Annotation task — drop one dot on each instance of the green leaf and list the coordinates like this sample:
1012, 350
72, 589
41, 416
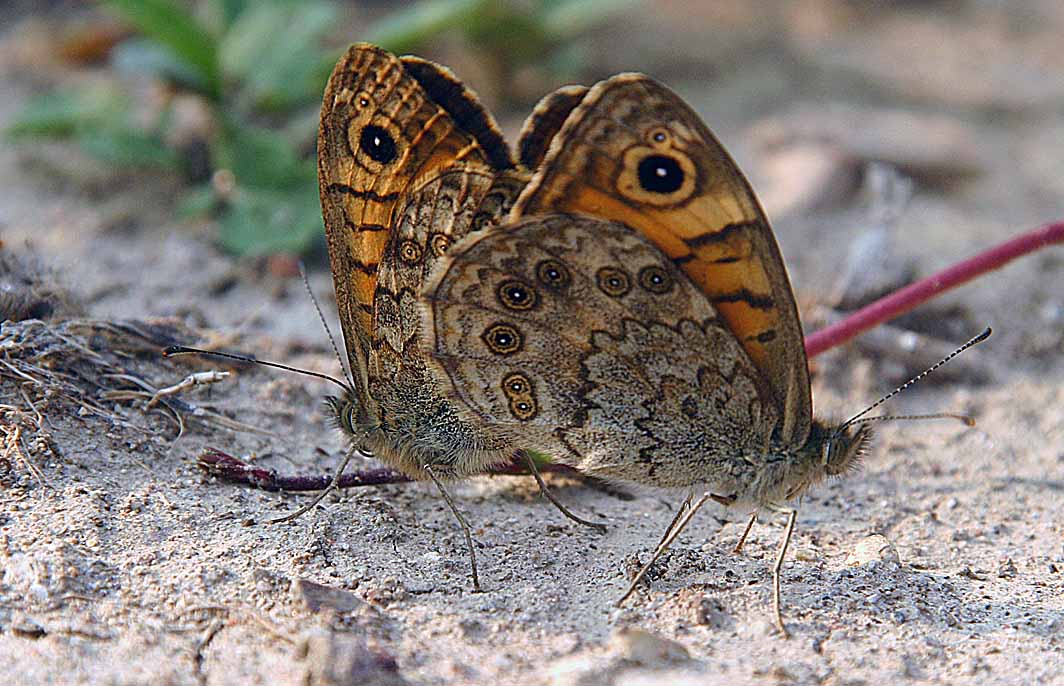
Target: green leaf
259, 157
146, 56
565, 19
224, 12
61, 114
261, 221
177, 29
197, 202
274, 207
540, 459
274, 51
128, 148
409, 28
506, 31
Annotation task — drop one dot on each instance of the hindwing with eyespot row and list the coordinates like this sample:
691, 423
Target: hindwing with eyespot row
580, 339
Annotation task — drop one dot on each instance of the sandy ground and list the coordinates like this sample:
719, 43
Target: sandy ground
942, 561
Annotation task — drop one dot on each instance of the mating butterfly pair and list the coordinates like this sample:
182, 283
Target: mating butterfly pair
613, 297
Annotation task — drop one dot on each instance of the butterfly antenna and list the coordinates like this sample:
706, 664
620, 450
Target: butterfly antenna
325, 325
856, 419
185, 350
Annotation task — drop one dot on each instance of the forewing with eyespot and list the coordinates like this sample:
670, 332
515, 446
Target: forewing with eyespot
388, 125
633, 151
578, 338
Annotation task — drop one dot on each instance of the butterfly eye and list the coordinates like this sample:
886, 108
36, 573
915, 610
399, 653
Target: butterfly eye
655, 279
516, 295
553, 275
377, 143
350, 417
502, 339
660, 174
613, 282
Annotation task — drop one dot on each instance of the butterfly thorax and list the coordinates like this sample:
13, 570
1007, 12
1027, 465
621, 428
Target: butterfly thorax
785, 474
397, 433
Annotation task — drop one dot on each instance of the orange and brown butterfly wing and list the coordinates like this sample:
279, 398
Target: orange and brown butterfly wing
634, 152
388, 124
544, 123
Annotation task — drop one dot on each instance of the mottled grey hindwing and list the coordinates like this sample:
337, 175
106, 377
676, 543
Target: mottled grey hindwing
580, 339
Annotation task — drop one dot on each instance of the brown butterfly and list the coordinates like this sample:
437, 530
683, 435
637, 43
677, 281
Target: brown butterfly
408, 162
633, 317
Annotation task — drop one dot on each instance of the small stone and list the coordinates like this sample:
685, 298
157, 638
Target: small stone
388, 591
710, 612
317, 597
872, 549
24, 627
639, 645
1007, 569
343, 660
967, 573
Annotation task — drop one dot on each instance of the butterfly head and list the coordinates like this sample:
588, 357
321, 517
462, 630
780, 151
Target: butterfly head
842, 448
830, 451
350, 416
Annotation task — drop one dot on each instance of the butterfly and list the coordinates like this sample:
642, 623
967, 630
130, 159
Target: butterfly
633, 317
408, 162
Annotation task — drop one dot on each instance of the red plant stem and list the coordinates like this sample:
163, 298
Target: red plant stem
225, 466
907, 298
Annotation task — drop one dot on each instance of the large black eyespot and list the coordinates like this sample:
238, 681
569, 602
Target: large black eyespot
410, 252
516, 295
614, 282
502, 339
516, 384
660, 174
553, 274
377, 143
655, 279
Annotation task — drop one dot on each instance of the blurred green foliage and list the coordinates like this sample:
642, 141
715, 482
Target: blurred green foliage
260, 67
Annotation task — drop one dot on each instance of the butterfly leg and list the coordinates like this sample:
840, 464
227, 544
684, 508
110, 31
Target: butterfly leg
792, 517
462, 522
684, 506
321, 494
746, 532
550, 496
675, 529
